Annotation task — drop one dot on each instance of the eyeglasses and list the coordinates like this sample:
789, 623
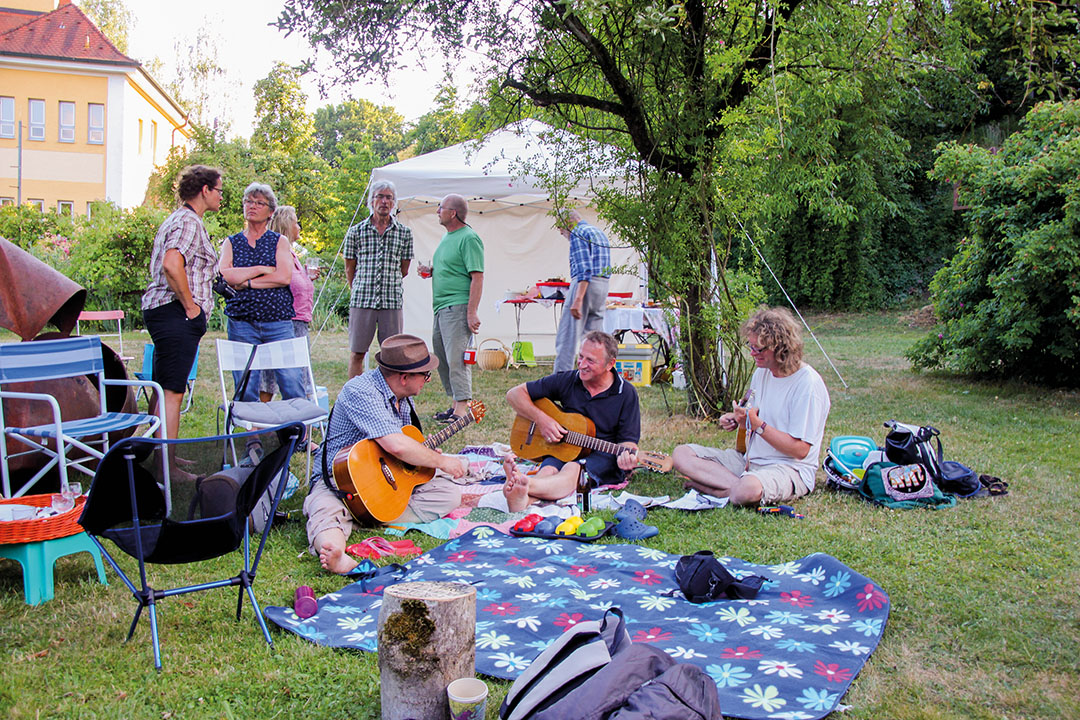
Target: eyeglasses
256, 203
755, 350
381, 196
219, 190
426, 374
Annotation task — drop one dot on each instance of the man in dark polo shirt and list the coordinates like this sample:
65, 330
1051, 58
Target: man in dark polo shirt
593, 390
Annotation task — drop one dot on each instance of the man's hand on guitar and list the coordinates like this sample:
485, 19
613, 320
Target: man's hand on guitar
627, 459
550, 429
729, 422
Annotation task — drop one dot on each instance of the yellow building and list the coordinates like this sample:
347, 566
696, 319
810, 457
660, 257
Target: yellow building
79, 120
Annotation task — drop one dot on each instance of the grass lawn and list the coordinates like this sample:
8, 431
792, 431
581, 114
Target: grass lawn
985, 618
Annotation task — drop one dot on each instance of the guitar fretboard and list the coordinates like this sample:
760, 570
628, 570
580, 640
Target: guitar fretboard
448, 432
590, 443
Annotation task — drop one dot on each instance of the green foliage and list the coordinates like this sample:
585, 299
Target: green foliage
284, 124
1009, 300
358, 123
25, 225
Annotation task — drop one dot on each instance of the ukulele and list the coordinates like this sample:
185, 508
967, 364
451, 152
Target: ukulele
379, 485
740, 436
579, 440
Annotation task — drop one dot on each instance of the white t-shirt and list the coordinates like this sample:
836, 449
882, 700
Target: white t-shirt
798, 404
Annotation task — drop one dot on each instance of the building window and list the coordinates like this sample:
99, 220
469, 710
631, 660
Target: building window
89, 210
67, 122
95, 124
38, 203
7, 117
37, 120
65, 207
6, 201
140, 136
153, 140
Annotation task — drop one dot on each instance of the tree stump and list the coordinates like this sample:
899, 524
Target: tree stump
427, 639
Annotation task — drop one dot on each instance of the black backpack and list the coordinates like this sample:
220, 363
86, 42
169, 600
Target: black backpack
909, 444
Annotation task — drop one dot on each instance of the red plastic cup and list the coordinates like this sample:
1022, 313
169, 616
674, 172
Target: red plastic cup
305, 605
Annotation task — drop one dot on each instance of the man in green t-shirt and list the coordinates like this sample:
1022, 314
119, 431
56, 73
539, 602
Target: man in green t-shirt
457, 275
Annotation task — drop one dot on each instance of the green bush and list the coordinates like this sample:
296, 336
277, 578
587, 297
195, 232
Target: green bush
1009, 299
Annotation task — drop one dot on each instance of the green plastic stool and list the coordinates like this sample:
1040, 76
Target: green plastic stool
38, 558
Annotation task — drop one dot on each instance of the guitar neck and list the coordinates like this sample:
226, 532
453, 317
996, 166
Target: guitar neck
434, 441
590, 443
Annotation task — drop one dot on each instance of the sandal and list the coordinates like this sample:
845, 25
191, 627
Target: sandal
994, 485
373, 548
631, 509
633, 529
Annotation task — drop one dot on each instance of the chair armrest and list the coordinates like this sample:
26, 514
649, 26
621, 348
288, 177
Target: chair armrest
40, 397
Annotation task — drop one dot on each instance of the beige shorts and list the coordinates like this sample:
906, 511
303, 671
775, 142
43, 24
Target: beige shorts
363, 323
429, 501
779, 483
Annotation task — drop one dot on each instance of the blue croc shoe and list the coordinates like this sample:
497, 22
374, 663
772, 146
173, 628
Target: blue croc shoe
631, 509
633, 529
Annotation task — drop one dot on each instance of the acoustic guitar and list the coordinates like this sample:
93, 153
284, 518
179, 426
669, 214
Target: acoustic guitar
740, 436
580, 440
378, 484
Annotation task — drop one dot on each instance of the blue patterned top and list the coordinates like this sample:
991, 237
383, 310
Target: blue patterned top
258, 304
590, 252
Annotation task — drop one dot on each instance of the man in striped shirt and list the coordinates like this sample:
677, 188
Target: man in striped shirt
586, 299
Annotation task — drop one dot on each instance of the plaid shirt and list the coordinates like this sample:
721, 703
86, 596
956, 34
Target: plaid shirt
590, 252
365, 409
377, 283
184, 232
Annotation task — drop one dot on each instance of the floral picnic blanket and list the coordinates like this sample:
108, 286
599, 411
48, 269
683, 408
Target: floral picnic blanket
792, 652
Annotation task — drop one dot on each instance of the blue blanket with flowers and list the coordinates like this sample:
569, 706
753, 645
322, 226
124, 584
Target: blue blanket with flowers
792, 652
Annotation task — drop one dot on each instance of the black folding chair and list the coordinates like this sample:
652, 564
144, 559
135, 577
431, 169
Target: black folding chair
177, 501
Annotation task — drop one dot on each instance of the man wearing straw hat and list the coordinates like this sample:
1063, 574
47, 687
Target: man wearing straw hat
376, 406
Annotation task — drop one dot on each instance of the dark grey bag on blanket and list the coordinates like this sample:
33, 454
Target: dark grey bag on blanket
594, 672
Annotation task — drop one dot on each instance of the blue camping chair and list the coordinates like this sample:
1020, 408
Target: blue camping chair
87, 437
161, 512
147, 373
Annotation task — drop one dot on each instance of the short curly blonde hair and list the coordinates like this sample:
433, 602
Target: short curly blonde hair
777, 330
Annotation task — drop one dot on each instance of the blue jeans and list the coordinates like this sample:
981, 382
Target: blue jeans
290, 381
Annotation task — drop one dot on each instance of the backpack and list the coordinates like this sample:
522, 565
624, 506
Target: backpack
906, 444
702, 579
902, 487
594, 672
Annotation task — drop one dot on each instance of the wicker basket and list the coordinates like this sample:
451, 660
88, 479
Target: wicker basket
493, 358
57, 526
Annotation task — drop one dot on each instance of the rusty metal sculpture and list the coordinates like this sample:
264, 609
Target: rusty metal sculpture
34, 296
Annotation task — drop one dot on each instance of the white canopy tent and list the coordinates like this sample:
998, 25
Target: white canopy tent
508, 206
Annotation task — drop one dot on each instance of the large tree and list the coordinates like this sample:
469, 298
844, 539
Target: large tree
666, 81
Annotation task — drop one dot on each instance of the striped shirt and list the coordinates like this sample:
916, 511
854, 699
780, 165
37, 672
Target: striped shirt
377, 283
590, 253
183, 231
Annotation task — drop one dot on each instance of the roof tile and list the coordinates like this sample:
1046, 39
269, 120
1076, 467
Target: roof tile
65, 33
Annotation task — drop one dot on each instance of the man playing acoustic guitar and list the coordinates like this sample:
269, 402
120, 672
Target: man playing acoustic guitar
376, 406
593, 390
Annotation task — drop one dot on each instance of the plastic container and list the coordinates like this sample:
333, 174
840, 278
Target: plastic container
634, 363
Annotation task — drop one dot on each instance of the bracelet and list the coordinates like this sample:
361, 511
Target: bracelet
761, 428
249, 283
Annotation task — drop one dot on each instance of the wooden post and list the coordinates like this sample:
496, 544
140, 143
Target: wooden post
427, 639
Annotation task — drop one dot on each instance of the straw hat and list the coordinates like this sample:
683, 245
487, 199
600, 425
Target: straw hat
405, 354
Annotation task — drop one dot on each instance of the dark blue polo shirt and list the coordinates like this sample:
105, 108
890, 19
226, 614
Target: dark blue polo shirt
615, 412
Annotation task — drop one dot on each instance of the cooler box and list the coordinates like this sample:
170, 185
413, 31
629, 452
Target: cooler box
323, 397
634, 363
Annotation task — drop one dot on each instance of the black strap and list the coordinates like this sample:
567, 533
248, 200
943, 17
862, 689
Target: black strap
339, 494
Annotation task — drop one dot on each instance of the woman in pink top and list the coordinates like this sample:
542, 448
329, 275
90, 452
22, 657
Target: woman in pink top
284, 221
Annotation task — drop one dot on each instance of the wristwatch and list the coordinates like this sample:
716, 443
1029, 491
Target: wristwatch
761, 428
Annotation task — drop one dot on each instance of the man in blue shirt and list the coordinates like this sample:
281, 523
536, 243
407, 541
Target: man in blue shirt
590, 263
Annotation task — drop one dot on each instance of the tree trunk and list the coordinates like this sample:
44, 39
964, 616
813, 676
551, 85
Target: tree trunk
427, 639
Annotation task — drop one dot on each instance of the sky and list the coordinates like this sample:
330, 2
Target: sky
248, 48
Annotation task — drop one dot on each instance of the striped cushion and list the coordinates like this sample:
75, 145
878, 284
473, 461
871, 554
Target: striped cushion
109, 422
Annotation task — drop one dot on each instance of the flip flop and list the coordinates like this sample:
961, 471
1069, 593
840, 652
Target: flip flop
373, 548
994, 485
631, 509
633, 529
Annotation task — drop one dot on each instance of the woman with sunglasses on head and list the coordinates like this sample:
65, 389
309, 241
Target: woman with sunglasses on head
784, 420
257, 263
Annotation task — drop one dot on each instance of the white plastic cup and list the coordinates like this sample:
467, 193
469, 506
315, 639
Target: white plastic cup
468, 699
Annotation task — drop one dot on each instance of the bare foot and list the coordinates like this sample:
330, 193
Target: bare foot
335, 560
516, 489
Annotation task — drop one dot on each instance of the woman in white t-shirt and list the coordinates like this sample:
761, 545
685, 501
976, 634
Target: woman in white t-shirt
784, 421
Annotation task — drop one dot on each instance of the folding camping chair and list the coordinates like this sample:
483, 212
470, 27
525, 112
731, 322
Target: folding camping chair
244, 358
160, 514
109, 317
53, 360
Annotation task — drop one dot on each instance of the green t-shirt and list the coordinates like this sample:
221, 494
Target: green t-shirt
459, 253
